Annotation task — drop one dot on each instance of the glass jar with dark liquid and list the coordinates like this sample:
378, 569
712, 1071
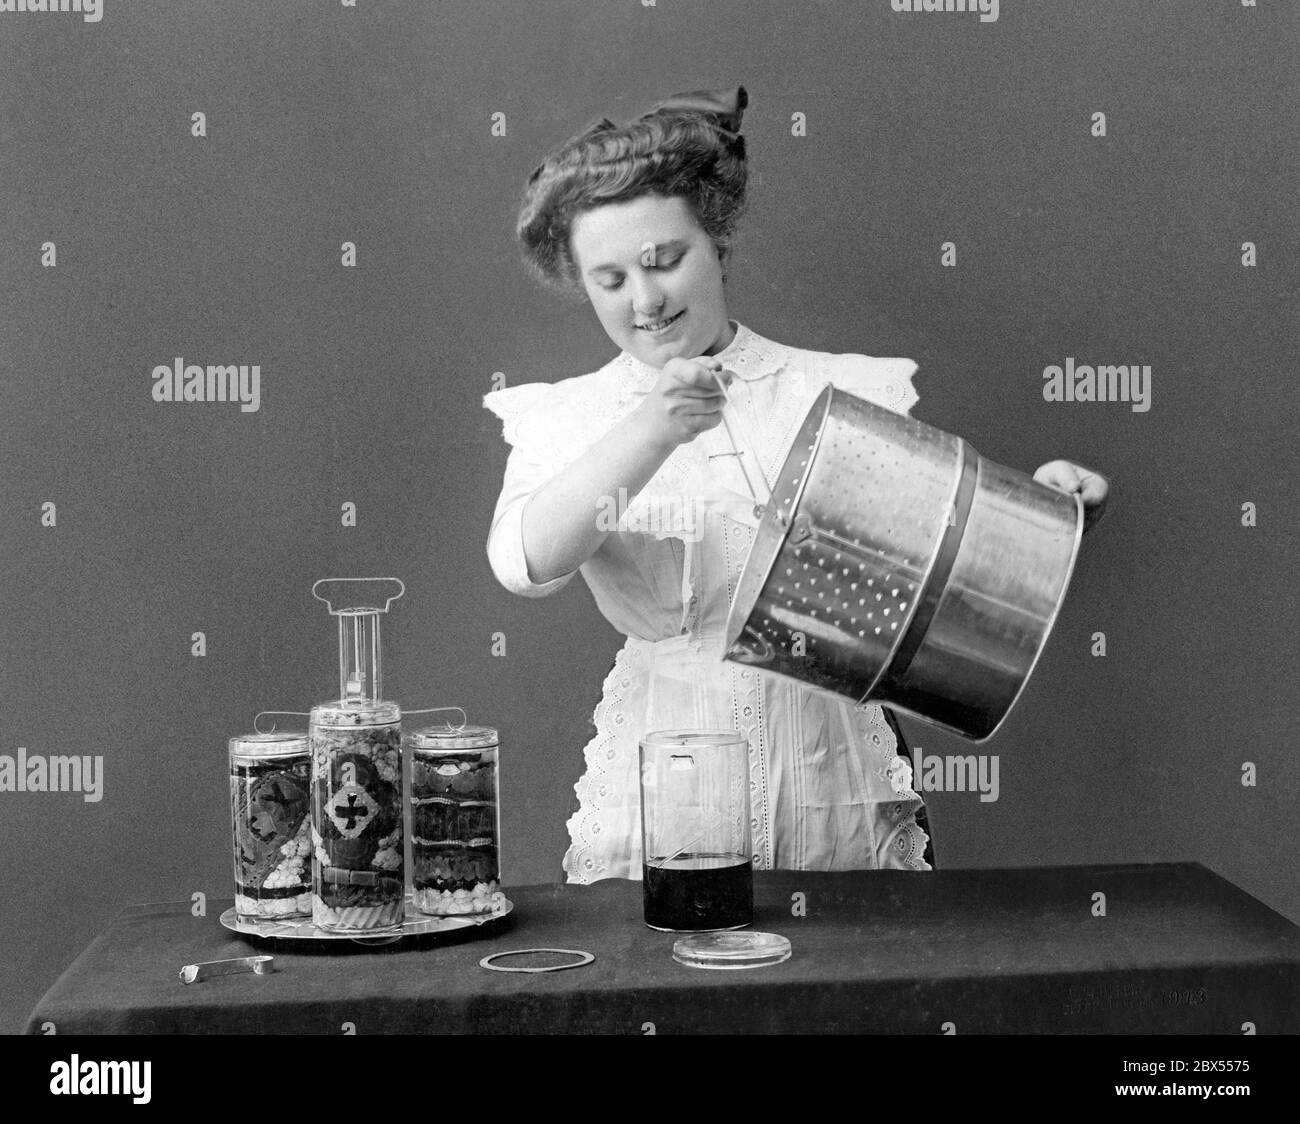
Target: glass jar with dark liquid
697, 868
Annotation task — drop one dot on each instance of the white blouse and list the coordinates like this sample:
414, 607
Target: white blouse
828, 790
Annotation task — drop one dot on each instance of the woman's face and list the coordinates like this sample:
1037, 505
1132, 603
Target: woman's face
654, 278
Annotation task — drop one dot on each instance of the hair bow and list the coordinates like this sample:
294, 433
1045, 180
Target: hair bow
727, 105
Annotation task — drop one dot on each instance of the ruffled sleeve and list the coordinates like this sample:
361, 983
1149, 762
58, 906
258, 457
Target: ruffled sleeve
534, 423
886, 382
514, 404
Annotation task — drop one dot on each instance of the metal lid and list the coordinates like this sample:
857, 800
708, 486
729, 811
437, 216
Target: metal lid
452, 737
355, 712
268, 745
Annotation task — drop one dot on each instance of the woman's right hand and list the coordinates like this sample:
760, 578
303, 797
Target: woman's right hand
684, 401
559, 522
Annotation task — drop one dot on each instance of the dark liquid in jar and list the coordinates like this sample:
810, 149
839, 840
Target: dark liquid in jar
698, 892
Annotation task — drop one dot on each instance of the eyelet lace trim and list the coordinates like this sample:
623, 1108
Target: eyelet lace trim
608, 781
747, 708
902, 843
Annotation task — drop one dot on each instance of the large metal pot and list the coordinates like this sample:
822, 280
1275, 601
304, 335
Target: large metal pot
895, 564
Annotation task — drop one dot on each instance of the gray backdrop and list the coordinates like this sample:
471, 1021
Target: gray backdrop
372, 124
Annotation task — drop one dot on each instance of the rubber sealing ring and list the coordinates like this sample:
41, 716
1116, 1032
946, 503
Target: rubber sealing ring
486, 962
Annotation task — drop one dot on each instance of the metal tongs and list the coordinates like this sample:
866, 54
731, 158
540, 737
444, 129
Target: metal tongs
258, 965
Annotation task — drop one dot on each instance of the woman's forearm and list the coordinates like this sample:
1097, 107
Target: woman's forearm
560, 526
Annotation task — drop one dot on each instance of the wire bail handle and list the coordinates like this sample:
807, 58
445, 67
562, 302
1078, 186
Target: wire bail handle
733, 427
464, 718
273, 730
360, 657
354, 609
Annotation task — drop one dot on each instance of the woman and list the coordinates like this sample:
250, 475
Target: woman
625, 475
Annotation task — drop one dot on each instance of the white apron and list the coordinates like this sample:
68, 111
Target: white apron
828, 790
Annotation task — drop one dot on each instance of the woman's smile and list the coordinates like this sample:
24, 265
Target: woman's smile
660, 327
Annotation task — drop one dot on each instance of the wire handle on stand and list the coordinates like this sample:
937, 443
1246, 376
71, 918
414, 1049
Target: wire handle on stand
464, 718
352, 610
272, 730
733, 427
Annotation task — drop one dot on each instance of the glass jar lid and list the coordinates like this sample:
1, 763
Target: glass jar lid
731, 950
268, 745
355, 712
452, 737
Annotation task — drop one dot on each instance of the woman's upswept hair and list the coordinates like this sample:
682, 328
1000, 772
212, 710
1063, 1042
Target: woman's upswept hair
669, 153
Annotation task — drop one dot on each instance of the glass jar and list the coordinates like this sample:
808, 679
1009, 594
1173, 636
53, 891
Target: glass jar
357, 869
455, 820
270, 801
697, 864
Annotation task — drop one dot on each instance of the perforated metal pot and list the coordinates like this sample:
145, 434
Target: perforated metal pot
895, 564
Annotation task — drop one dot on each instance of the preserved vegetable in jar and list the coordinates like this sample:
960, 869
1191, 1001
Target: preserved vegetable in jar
270, 791
358, 868
358, 873
455, 821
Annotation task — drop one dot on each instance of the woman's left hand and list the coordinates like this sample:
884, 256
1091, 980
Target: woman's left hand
1065, 476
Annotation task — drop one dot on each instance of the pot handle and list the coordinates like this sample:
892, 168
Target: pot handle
751, 647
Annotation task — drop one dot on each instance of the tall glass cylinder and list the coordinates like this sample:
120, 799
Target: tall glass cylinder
358, 871
455, 821
270, 797
695, 830
360, 656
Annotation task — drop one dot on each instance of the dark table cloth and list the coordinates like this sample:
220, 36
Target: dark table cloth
1179, 950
